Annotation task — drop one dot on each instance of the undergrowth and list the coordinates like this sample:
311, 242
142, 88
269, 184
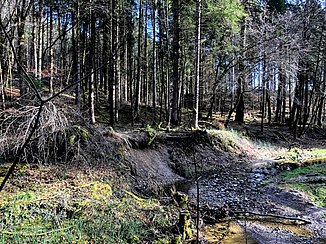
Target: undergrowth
78, 209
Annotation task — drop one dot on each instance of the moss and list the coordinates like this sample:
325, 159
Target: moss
184, 224
100, 191
4, 169
81, 131
72, 139
318, 152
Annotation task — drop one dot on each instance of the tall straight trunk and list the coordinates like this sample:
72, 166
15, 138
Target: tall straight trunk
51, 49
279, 98
268, 98
139, 60
239, 106
124, 85
40, 39
145, 94
21, 54
130, 59
117, 59
76, 56
160, 6
167, 63
154, 56
297, 103
34, 38
106, 54
264, 80
322, 99
111, 73
175, 61
197, 63
91, 98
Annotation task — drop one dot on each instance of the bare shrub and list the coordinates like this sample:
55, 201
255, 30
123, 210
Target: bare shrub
16, 123
56, 138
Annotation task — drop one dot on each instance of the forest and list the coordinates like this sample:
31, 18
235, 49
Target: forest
162, 121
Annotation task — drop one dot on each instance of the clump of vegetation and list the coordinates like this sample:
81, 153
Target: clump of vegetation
232, 141
316, 190
152, 132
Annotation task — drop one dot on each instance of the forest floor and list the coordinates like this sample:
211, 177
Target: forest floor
253, 187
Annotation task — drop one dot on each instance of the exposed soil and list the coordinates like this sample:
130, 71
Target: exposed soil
235, 184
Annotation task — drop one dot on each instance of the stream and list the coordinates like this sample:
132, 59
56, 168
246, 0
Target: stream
255, 210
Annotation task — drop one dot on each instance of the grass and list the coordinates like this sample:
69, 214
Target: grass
80, 209
316, 191
316, 170
317, 152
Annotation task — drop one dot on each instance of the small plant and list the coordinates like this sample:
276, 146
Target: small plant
152, 132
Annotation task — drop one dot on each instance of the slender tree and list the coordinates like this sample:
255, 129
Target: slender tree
197, 62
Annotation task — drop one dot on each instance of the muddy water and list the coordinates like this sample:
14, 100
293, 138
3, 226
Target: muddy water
251, 232
227, 233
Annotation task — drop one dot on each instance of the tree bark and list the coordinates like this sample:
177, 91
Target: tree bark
175, 61
154, 57
197, 62
139, 60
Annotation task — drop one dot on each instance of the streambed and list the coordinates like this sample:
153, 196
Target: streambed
255, 193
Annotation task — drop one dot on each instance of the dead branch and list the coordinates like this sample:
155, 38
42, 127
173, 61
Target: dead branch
273, 217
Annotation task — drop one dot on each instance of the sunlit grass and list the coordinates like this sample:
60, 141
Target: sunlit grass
316, 170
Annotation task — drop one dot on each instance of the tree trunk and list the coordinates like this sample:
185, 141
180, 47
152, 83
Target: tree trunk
130, 60
76, 56
21, 54
51, 49
139, 60
154, 57
175, 61
117, 59
239, 114
91, 101
197, 63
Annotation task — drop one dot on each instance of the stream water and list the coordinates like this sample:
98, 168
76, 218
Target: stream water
245, 190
